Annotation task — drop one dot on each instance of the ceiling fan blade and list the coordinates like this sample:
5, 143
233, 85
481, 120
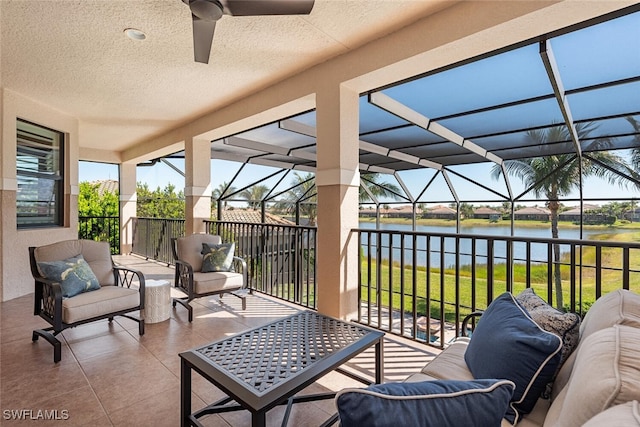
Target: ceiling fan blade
267, 7
202, 39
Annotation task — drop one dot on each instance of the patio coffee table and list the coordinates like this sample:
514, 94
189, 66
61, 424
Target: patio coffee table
266, 366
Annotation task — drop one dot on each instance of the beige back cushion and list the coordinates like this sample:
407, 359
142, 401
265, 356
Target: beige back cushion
606, 373
189, 248
96, 254
619, 307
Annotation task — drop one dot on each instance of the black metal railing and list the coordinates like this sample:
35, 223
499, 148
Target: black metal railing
101, 228
419, 285
152, 237
281, 258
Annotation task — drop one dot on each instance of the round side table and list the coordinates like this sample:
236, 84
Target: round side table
157, 301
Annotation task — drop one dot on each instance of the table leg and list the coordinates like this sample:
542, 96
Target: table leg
185, 394
259, 419
379, 361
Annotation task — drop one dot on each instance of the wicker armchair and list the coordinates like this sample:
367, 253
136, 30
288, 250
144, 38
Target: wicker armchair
114, 296
187, 252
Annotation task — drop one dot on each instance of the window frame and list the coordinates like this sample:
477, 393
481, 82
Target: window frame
54, 209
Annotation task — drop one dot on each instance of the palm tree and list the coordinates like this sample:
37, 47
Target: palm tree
378, 189
304, 190
219, 192
466, 210
254, 195
635, 153
557, 175
303, 195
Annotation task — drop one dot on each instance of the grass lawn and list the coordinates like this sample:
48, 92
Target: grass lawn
471, 291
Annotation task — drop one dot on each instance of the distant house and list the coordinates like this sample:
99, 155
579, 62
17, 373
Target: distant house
574, 214
532, 213
440, 212
367, 213
485, 212
251, 216
632, 215
405, 211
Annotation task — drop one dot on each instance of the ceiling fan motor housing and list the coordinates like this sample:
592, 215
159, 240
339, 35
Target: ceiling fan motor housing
207, 10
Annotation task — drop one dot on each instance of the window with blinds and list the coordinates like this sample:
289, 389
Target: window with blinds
40, 162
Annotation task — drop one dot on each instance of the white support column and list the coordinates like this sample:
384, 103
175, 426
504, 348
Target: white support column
128, 205
197, 190
337, 181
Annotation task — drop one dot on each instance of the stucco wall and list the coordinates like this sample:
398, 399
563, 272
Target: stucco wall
15, 275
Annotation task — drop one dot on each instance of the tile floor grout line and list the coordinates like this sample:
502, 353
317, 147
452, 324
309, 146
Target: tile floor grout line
84, 374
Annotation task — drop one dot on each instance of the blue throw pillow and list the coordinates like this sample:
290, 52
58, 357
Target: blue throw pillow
217, 257
507, 343
73, 274
443, 403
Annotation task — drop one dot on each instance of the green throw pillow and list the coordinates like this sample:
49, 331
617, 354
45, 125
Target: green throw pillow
217, 257
73, 274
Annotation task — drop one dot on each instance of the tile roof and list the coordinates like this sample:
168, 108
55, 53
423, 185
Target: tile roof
532, 210
485, 210
251, 216
576, 209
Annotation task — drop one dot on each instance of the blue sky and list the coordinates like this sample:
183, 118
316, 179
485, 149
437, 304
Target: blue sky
160, 175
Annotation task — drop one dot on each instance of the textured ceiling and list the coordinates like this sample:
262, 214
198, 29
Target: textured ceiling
73, 56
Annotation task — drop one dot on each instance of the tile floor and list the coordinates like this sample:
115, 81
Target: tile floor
111, 376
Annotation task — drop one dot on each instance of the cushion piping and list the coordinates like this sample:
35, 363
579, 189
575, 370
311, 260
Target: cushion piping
616, 369
512, 404
427, 396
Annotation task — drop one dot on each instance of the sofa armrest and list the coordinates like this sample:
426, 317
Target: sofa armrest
240, 266
48, 301
464, 329
184, 277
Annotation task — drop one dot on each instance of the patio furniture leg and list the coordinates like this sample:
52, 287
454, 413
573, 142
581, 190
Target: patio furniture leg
259, 419
379, 361
287, 412
185, 394
242, 294
186, 305
57, 346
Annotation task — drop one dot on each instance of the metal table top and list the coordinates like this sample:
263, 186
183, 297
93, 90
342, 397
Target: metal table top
261, 366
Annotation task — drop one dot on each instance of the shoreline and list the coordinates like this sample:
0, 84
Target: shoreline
502, 223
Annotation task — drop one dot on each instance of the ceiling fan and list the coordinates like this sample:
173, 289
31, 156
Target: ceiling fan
205, 14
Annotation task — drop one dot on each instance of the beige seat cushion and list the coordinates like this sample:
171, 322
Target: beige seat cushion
536, 417
189, 248
108, 299
217, 281
625, 415
448, 365
606, 373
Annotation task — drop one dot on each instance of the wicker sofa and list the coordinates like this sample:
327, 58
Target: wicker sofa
597, 385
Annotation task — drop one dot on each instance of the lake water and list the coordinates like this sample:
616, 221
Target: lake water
539, 252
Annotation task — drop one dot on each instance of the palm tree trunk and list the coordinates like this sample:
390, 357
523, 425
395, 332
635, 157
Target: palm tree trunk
554, 207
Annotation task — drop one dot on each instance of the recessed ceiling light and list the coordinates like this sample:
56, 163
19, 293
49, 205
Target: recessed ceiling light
135, 34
